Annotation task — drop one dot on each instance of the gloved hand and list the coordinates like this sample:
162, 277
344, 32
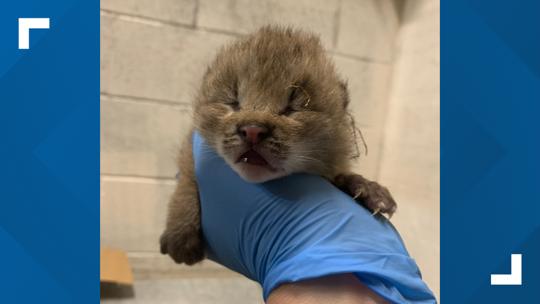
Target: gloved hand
299, 227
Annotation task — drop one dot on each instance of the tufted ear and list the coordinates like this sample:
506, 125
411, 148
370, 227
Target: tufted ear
344, 93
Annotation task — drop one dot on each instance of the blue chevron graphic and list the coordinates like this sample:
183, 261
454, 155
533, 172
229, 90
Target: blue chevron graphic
49, 125
490, 170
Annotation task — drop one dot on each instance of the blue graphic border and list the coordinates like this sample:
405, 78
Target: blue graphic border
49, 125
490, 148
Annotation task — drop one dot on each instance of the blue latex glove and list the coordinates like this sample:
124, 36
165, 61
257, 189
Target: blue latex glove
297, 228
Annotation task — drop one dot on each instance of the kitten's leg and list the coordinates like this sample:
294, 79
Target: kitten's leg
370, 194
182, 238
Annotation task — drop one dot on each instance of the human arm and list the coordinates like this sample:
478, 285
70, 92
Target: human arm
333, 289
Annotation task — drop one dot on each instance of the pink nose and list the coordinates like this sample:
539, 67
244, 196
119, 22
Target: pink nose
253, 133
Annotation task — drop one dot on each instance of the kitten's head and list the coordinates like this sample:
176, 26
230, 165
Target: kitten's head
272, 104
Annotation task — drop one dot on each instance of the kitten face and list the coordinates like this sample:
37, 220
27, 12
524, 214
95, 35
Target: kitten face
272, 104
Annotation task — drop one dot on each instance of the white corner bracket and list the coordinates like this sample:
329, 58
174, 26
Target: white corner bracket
514, 278
25, 25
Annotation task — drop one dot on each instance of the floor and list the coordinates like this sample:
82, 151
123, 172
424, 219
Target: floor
226, 290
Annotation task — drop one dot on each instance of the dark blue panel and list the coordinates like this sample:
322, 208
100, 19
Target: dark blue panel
49, 154
490, 149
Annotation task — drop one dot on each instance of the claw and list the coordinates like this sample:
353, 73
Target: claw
376, 211
357, 194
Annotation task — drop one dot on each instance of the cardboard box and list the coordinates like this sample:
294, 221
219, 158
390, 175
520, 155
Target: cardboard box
114, 267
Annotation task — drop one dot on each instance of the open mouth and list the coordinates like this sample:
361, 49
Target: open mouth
252, 157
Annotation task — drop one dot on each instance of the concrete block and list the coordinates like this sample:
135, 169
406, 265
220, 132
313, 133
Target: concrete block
244, 16
367, 29
368, 89
141, 139
133, 212
417, 221
177, 11
154, 61
410, 157
411, 153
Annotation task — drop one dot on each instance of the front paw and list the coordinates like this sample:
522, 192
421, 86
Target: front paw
370, 194
183, 246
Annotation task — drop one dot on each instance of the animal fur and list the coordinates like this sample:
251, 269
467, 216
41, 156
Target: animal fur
271, 104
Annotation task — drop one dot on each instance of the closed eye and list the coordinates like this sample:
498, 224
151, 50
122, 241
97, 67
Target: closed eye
287, 111
235, 105
294, 93
297, 101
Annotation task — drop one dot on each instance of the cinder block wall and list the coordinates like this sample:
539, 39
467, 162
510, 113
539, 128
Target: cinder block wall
153, 54
409, 163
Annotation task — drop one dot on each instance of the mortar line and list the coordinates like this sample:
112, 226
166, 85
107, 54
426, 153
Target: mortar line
146, 19
337, 24
160, 22
136, 99
220, 31
359, 58
134, 178
196, 13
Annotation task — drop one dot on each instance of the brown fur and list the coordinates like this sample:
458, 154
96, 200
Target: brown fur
281, 79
